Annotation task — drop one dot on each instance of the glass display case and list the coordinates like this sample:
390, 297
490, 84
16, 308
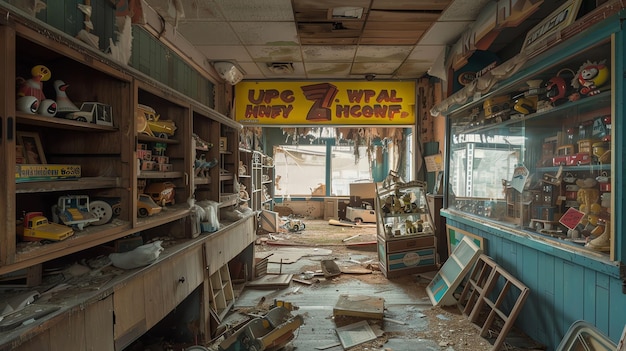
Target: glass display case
406, 237
534, 154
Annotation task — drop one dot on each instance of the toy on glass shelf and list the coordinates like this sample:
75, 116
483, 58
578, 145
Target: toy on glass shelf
558, 90
591, 76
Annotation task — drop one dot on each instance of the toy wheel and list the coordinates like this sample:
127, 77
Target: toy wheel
142, 212
358, 220
296, 228
81, 119
163, 135
101, 209
117, 210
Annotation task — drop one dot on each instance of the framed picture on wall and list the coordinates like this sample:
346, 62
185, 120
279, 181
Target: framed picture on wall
31, 144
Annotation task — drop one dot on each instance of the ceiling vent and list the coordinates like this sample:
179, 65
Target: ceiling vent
280, 67
346, 12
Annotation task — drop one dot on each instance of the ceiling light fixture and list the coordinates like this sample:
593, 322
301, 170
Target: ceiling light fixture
228, 71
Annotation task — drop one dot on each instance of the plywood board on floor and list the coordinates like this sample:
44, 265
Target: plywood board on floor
359, 306
289, 255
271, 281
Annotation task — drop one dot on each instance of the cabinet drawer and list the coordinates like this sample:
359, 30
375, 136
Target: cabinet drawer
410, 244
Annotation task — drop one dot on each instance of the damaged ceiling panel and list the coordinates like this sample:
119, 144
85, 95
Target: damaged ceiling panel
322, 39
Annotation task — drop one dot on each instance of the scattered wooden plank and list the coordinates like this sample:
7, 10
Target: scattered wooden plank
327, 346
302, 281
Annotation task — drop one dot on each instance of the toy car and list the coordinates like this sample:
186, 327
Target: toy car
92, 112
149, 122
162, 193
36, 227
146, 206
74, 210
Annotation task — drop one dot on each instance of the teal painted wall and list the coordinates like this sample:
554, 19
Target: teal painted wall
562, 290
566, 286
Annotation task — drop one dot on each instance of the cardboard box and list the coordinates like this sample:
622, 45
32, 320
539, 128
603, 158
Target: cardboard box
363, 190
43, 172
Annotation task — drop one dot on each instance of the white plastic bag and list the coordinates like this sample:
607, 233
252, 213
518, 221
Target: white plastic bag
139, 257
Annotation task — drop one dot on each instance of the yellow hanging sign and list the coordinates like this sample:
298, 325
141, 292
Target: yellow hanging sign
325, 103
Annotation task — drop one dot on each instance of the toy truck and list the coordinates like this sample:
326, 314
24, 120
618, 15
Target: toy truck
74, 210
36, 227
365, 214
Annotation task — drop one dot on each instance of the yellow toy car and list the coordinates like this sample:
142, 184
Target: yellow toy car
146, 206
149, 122
36, 227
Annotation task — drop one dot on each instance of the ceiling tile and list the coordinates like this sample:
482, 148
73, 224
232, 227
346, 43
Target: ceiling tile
266, 33
208, 33
228, 53
463, 10
205, 10
382, 53
301, 5
265, 10
320, 70
413, 69
275, 53
425, 5
425, 53
374, 67
329, 53
444, 33
251, 70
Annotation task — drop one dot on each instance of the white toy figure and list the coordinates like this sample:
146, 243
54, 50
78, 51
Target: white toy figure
64, 104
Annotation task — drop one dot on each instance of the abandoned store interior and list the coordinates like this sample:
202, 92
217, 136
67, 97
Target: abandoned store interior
236, 175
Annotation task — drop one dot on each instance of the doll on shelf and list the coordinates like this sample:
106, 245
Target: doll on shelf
34, 85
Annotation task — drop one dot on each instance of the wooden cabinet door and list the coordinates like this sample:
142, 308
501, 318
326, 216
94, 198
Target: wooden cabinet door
130, 315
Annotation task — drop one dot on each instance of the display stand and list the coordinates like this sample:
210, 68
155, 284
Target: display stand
406, 238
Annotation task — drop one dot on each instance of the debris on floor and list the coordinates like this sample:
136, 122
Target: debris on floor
359, 306
271, 331
354, 334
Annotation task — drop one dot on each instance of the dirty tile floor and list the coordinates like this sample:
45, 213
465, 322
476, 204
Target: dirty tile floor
410, 321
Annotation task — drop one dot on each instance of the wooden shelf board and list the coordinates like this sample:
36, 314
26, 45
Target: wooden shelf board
69, 184
61, 123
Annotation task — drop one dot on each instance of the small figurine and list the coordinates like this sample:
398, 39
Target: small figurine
243, 170
64, 104
590, 77
34, 86
243, 194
